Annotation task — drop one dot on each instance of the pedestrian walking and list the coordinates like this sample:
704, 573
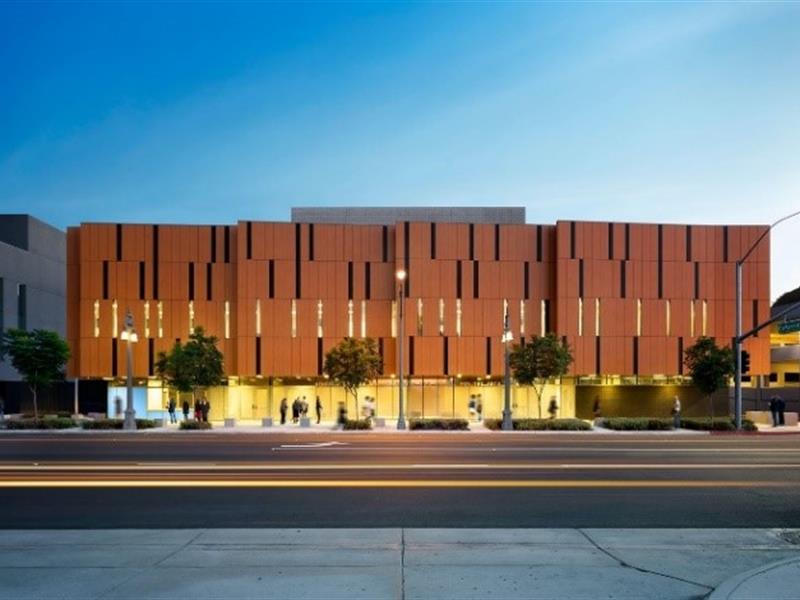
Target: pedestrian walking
781, 411
304, 407
198, 411
676, 413
341, 417
205, 408
472, 407
295, 410
185, 410
479, 407
284, 408
773, 409
552, 409
171, 406
319, 410
596, 411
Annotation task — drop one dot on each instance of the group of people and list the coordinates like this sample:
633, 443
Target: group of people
201, 409
299, 409
777, 408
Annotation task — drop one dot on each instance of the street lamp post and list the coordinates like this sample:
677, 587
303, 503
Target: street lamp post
401, 276
508, 424
737, 341
129, 335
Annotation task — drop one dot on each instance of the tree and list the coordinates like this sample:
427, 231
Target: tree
39, 356
541, 359
352, 363
192, 366
710, 366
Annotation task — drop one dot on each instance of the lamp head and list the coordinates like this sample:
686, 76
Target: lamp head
401, 274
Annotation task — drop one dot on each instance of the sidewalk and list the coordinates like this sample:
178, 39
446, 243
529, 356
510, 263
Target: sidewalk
210, 564
776, 581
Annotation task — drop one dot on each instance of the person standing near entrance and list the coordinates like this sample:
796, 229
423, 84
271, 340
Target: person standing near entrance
676, 413
319, 410
781, 411
171, 406
773, 409
185, 410
284, 408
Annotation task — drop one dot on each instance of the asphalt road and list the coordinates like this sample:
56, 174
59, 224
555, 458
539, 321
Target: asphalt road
391, 480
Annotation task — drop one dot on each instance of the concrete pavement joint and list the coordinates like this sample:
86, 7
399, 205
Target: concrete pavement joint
183, 547
626, 565
403, 564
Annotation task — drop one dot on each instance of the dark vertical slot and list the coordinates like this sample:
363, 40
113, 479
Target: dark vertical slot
380, 352
141, 280
572, 239
311, 241
526, 290
547, 328
271, 278
406, 258
680, 355
660, 261
385, 242
597, 355
150, 356
497, 241
119, 242
623, 278
22, 306
2, 306
627, 241
411, 355
105, 280
433, 241
636, 356
155, 262
209, 281
610, 241
367, 280
476, 288
297, 286
472, 241
227, 249
350, 280
258, 355
446, 356
249, 240
320, 357
458, 279
725, 244
113, 357
580, 278
213, 243
191, 281
688, 243
539, 242
755, 315
697, 281
488, 356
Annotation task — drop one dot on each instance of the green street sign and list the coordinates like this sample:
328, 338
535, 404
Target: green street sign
789, 326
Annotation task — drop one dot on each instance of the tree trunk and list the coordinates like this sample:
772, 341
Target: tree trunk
711, 404
539, 391
35, 403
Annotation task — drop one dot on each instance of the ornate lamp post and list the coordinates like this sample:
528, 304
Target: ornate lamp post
129, 335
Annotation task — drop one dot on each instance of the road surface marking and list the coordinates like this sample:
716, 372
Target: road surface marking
388, 483
313, 445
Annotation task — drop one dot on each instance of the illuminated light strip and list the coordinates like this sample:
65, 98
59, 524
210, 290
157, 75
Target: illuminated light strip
384, 483
33, 469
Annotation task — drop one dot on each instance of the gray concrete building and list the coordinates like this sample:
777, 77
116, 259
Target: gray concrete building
32, 278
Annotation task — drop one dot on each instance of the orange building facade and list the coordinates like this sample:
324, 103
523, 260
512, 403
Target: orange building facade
628, 298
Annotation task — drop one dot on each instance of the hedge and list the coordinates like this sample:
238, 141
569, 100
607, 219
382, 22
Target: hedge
718, 424
195, 425
441, 424
637, 424
541, 424
357, 425
117, 424
47, 423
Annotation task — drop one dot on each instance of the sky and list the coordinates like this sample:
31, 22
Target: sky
212, 113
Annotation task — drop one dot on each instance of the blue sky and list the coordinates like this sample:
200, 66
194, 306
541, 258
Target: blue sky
207, 112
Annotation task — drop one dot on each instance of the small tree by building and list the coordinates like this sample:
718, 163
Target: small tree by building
710, 367
193, 366
39, 356
541, 359
353, 363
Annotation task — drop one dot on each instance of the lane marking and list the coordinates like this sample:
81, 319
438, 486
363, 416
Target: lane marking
384, 483
312, 445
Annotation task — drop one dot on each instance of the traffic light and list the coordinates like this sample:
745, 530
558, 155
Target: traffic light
745, 361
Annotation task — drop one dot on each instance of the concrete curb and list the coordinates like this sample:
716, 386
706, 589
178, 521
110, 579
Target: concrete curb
728, 588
